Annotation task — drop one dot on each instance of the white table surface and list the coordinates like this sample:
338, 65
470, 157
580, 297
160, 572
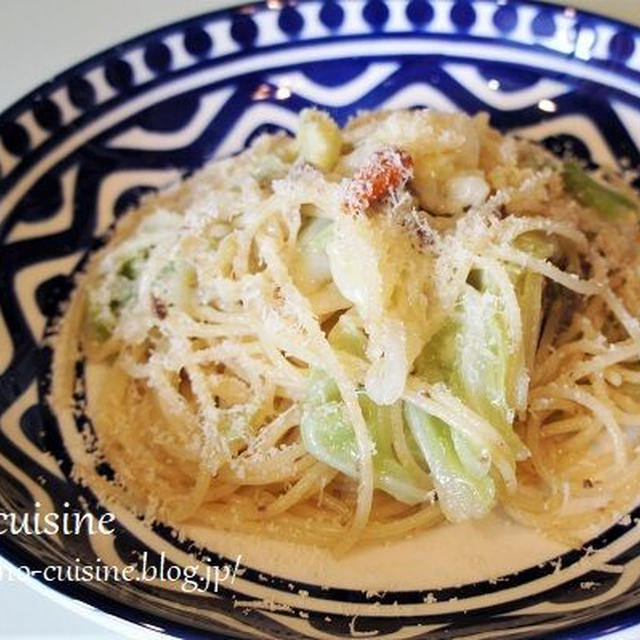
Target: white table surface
51, 35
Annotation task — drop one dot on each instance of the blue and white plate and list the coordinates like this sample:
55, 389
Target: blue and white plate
80, 150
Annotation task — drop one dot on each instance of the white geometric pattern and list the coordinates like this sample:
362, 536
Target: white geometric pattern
107, 151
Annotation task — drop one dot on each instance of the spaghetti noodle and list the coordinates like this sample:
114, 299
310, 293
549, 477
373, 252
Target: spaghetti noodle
355, 334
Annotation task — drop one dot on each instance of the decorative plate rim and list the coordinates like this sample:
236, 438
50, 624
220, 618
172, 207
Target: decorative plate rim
47, 85
103, 603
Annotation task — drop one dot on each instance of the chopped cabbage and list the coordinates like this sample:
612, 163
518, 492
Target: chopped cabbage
329, 437
319, 139
607, 202
375, 266
462, 494
311, 264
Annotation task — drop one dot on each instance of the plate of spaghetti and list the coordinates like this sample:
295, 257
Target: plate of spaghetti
332, 311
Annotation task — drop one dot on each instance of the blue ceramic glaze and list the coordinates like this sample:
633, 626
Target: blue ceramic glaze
174, 98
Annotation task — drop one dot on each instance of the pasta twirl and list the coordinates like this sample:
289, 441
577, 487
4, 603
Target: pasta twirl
355, 334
